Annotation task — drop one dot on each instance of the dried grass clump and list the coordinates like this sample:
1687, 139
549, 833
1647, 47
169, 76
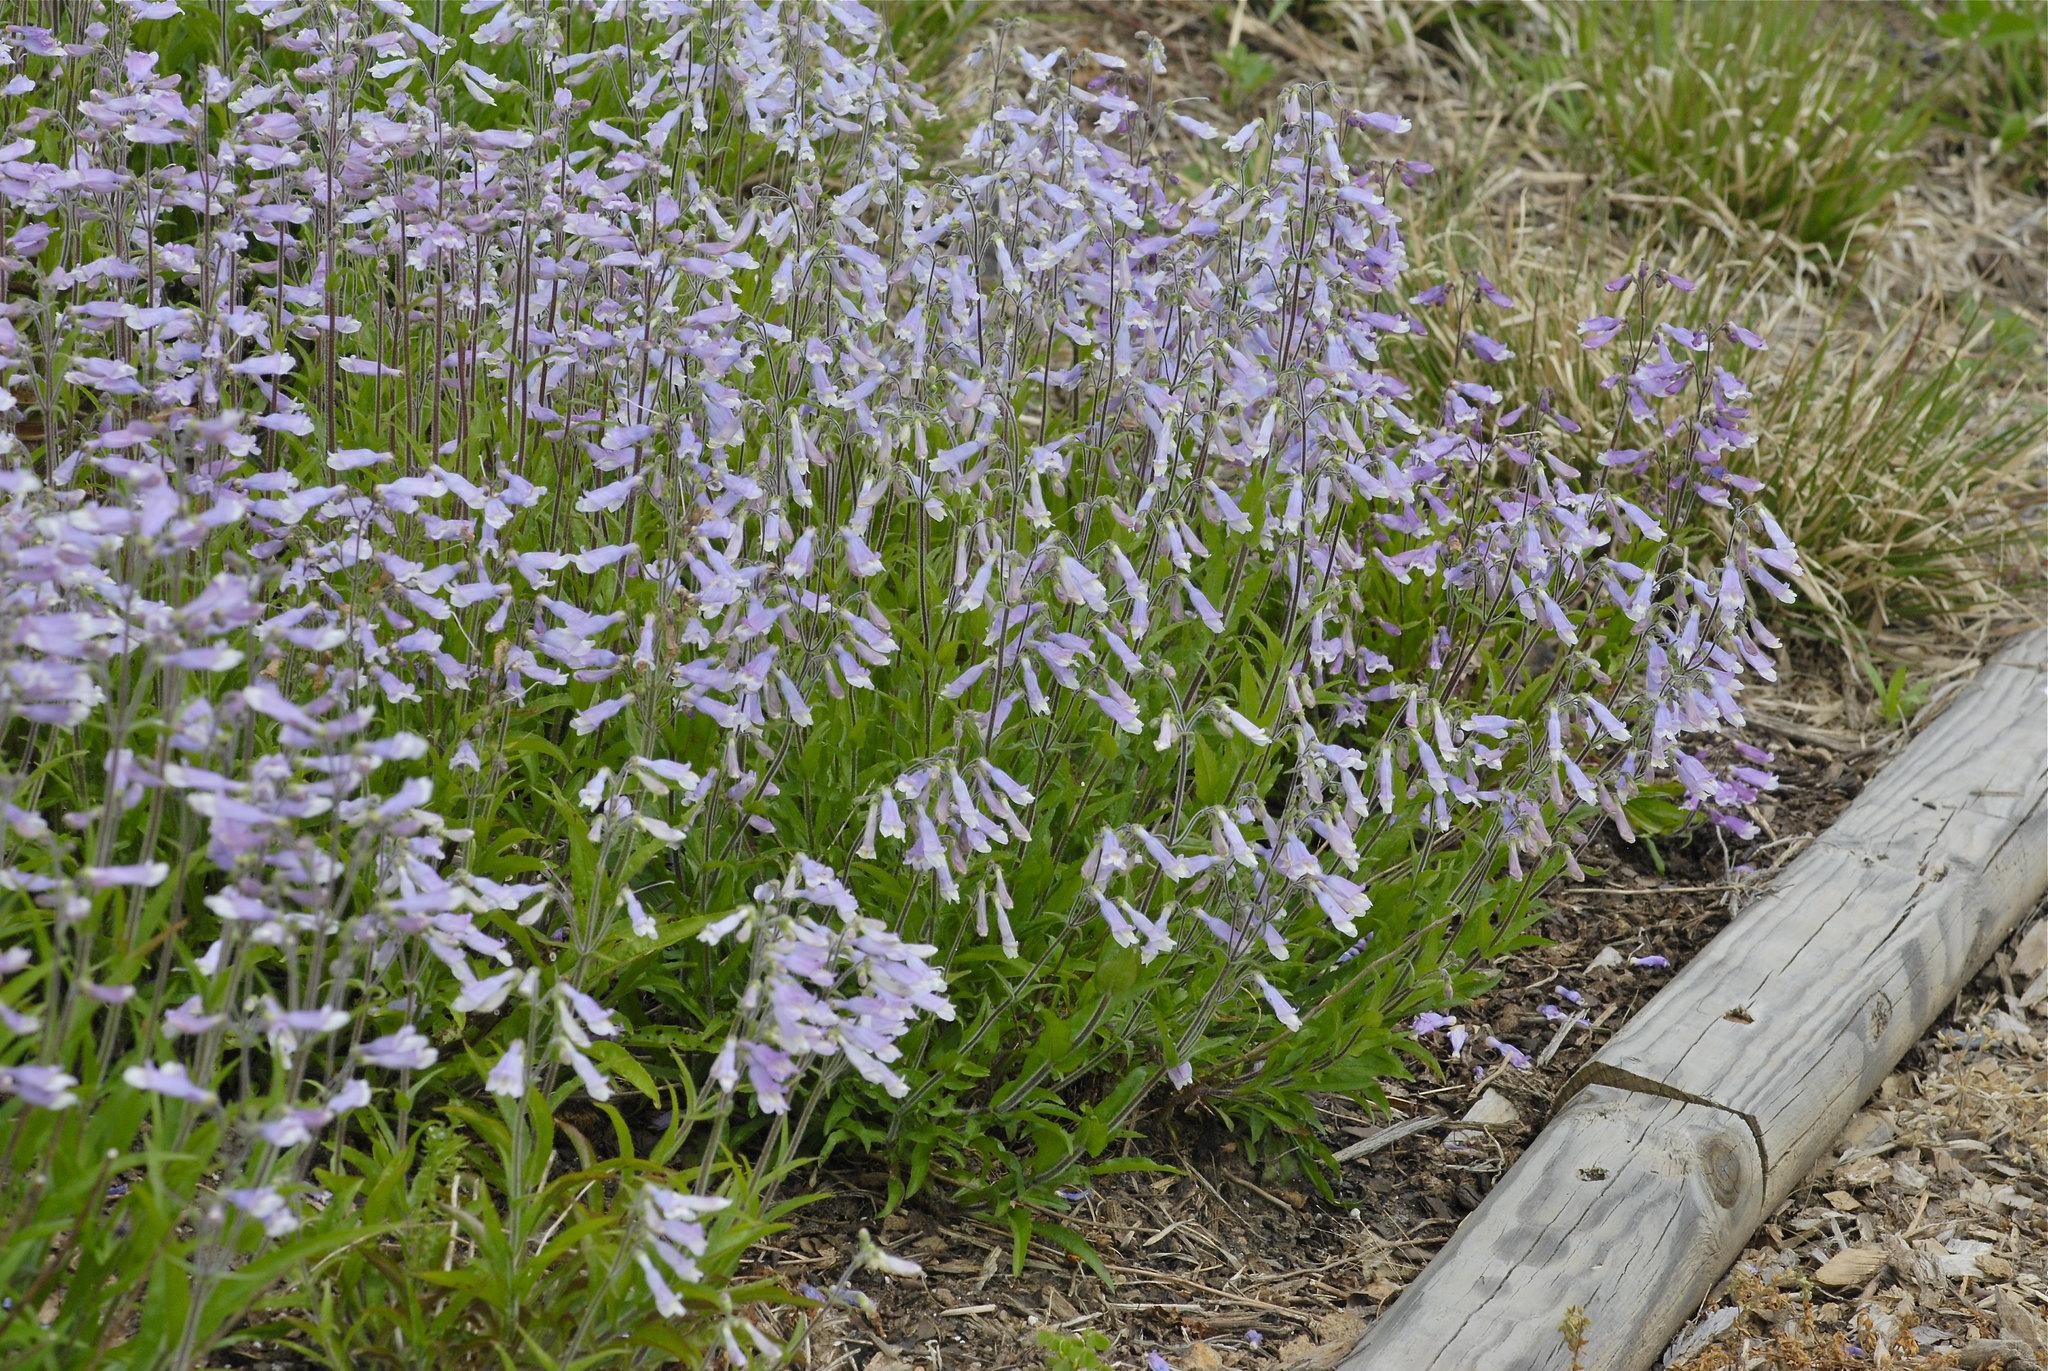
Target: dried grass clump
1909, 463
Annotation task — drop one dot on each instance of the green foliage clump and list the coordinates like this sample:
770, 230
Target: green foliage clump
1786, 118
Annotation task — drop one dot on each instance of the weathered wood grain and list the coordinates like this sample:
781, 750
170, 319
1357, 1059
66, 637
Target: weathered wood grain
1793, 1016
1708, 1108
1621, 1198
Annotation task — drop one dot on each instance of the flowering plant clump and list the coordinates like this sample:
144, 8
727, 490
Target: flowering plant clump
582, 621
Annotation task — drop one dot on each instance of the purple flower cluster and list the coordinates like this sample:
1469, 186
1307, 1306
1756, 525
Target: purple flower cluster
662, 414
848, 992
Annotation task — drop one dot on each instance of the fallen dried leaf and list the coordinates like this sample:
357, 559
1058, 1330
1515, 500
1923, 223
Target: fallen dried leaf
2017, 1322
1960, 1257
2036, 993
1492, 1107
1328, 1341
1990, 1351
1866, 1132
1851, 1266
2030, 958
1700, 1332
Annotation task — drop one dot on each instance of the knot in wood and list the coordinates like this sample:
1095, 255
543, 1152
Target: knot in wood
1722, 1163
1880, 1015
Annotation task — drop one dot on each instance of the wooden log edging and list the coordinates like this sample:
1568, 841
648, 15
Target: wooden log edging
1707, 1110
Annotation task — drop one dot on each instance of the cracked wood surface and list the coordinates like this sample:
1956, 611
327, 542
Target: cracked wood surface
1742, 1070
1620, 1192
1795, 1013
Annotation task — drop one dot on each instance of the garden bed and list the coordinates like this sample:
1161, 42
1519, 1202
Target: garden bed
1220, 1265
603, 600
1225, 1250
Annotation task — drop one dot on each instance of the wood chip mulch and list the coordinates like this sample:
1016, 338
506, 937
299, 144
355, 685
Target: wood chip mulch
1922, 1242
